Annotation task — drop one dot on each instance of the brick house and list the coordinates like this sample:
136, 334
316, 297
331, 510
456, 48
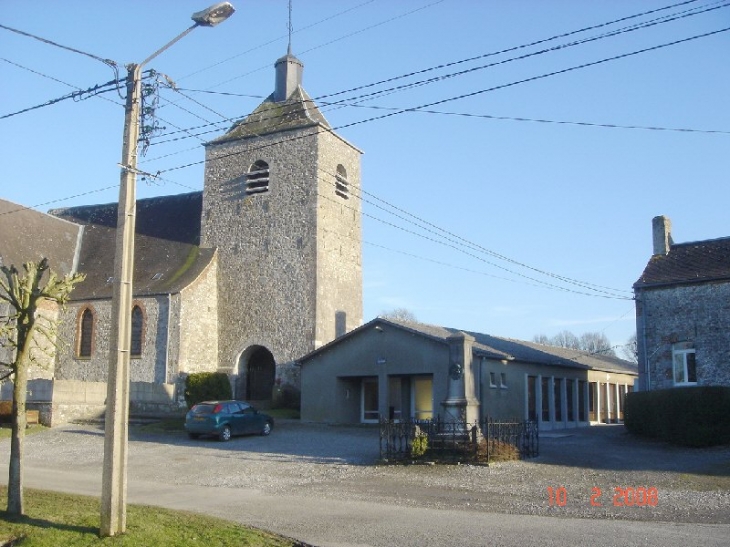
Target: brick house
683, 312
261, 267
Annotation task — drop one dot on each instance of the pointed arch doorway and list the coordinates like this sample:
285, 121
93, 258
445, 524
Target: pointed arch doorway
256, 375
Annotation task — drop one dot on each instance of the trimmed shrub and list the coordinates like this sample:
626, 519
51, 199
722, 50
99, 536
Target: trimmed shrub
419, 444
287, 397
207, 386
494, 450
689, 416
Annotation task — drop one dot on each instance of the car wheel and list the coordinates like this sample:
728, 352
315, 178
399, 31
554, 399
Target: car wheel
193, 435
266, 429
225, 434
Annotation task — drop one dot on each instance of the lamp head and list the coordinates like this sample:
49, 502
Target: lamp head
213, 15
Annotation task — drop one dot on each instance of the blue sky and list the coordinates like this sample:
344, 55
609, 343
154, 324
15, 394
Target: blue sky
507, 207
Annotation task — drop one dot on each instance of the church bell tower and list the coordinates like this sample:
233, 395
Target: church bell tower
281, 206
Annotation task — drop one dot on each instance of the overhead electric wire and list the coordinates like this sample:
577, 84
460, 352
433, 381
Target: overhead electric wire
451, 237
98, 89
108, 62
466, 95
335, 40
480, 258
539, 77
632, 28
507, 50
501, 257
638, 26
279, 38
507, 85
451, 113
51, 202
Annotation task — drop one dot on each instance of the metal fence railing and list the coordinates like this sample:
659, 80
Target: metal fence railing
484, 441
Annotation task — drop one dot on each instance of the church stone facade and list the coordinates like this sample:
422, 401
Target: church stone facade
260, 268
280, 207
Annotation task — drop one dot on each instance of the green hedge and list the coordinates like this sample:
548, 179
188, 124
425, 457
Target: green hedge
688, 416
207, 386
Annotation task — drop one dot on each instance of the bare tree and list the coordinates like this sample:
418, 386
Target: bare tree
592, 342
566, 339
596, 342
400, 314
630, 350
28, 331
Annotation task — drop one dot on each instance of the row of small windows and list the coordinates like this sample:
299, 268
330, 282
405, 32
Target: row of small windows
257, 180
86, 330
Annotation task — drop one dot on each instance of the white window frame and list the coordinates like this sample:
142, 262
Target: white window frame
369, 416
492, 379
680, 359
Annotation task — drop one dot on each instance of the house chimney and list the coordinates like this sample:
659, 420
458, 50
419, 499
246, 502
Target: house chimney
662, 233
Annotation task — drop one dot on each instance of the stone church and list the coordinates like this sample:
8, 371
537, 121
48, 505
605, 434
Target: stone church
260, 268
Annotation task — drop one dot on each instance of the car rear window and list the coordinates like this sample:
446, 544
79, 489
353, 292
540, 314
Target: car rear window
203, 409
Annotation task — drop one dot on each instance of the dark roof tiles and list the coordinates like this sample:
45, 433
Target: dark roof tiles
167, 253
698, 261
28, 235
494, 347
273, 117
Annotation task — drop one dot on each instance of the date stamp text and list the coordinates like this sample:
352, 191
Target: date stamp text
629, 496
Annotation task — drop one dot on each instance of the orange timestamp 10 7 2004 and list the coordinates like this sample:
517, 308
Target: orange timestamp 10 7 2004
622, 497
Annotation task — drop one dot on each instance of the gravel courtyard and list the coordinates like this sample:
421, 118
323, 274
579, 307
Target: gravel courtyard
340, 463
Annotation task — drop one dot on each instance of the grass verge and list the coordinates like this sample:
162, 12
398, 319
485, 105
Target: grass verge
6, 430
54, 519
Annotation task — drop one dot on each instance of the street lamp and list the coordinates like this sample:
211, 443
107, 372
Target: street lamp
114, 476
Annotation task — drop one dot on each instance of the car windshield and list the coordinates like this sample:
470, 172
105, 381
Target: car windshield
203, 409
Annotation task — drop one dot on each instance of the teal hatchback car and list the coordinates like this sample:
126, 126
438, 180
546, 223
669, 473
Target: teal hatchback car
224, 419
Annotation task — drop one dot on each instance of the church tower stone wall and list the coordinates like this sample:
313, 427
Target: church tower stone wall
281, 205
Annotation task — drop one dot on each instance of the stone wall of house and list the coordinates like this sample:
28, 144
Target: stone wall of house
150, 367
194, 326
277, 286
697, 314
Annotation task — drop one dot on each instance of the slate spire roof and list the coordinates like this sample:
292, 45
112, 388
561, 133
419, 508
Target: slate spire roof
288, 107
685, 263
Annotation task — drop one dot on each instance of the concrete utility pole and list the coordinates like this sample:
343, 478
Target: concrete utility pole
114, 477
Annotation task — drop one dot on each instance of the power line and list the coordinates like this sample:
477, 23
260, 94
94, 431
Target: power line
638, 26
76, 95
611, 34
482, 259
466, 95
461, 114
507, 50
82, 194
418, 108
337, 39
277, 39
107, 62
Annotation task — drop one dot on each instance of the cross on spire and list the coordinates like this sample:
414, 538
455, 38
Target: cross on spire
291, 28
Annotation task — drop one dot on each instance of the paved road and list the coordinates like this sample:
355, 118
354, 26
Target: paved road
302, 501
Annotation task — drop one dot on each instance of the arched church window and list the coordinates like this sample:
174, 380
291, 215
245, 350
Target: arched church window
85, 337
342, 187
135, 349
257, 178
